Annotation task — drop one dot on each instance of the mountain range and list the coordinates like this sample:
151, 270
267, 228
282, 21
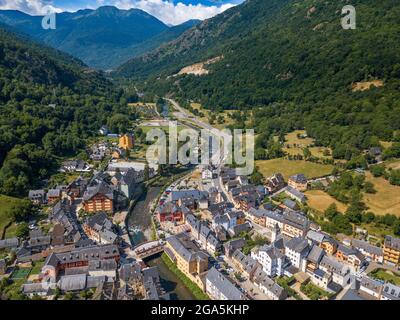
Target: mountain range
102, 38
288, 65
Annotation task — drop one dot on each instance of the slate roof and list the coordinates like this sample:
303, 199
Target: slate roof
83, 254
315, 236
371, 284
367, 247
95, 281
9, 243
235, 244
108, 235
53, 193
262, 279
298, 245
185, 247
347, 251
224, 285
391, 291
103, 265
392, 242
33, 194
239, 228
299, 178
296, 193
194, 194
272, 252
315, 255
247, 262
99, 220
102, 188
72, 282
290, 204
333, 265
130, 271
296, 219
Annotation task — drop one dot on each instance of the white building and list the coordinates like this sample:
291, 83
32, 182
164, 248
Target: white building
296, 250
371, 287
268, 286
219, 287
340, 272
206, 173
271, 260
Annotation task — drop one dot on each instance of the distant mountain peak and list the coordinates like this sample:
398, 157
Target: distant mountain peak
103, 38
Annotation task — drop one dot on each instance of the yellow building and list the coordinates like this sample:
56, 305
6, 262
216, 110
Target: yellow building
187, 257
126, 141
391, 250
299, 182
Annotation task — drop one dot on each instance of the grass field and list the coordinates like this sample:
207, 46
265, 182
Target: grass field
207, 114
320, 201
393, 164
6, 203
294, 145
37, 267
386, 199
289, 168
386, 144
386, 275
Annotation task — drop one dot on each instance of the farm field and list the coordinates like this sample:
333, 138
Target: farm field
295, 145
291, 167
386, 199
6, 203
320, 201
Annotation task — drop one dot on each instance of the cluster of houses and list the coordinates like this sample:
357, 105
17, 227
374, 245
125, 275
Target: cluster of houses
82, 253
294, 189
244, 195
105, 192
378, 290
101, 150
97, 267
297, 248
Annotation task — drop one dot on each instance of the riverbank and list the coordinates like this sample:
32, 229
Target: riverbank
190, 285
171, 283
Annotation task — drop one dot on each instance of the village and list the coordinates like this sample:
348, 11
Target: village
225, 237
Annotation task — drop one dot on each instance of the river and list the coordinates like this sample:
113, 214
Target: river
140, 217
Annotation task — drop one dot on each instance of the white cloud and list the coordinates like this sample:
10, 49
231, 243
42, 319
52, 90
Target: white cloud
34, 7
169, 12
165, 10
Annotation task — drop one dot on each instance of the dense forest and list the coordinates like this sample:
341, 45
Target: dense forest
293, 65
49, 104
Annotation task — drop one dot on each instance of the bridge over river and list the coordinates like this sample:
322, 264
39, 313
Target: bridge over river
148, 249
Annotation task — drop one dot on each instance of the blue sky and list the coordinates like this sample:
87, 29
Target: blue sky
168, 11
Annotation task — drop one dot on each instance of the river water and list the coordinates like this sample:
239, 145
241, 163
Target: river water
140, 217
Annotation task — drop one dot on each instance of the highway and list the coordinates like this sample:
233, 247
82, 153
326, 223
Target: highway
219, 158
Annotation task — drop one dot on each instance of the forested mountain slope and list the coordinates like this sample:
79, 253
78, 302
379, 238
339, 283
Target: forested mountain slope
49, 104
293, 64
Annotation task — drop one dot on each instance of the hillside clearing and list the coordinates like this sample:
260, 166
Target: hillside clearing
6, 203
199, 69
366, 85
320, 201
291, 167
386, 199
294, 145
